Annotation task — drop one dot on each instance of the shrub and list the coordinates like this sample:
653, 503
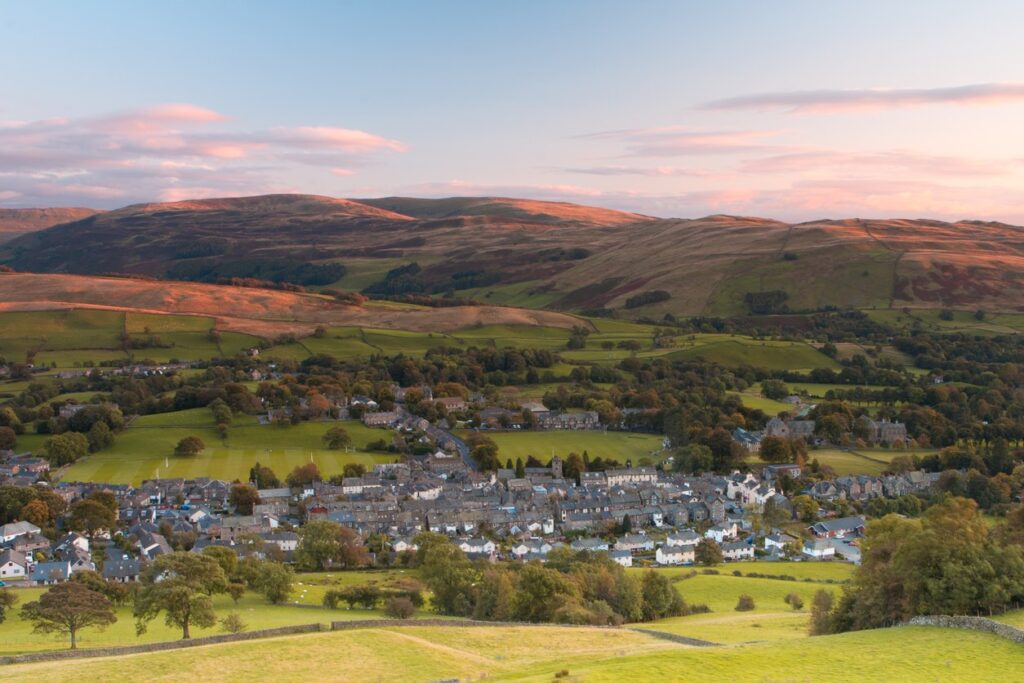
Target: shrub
794, 601
399, 608
232, 623
745, 603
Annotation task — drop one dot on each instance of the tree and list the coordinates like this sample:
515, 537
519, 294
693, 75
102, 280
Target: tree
776, 449
179, 584
399, 607
8, 439
708, 553
805, 508
7, 601
225, 557
451, 578
353, 469
324, 544
274, 581
36, 512
243, 497
659, 597
745, 603
263, 477
821, 613
303, 475
233, 623
235, 590
337, 438
90, 516
64, 449
693, 458
99, 436
521, 469
190, 445
68, 608
542, 591
774, 389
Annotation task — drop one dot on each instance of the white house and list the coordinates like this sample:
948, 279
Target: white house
819, 548
533, 546
738, 551
13, 565
477, 546
777, 539
721, 532
402, 545
680, 554
591, 544
686, 537
622, 557
9, 532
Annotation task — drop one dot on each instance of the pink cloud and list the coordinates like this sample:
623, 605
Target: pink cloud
830, 101
342, 172
170, 150
666, 141
926, 164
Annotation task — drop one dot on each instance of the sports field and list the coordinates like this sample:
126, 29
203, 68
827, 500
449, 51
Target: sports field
543, 445
145, 449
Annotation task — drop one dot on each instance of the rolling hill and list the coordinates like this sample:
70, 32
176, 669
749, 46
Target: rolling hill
260, 312
15, 222
549, 255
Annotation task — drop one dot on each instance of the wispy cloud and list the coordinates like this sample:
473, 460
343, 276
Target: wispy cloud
653, 172
677, 141
828, 101
901, 160
167, 151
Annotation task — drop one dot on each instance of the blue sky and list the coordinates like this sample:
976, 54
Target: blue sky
794, 110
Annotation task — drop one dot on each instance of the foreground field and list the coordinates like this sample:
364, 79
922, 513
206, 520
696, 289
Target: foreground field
619, 446
146, 448
539, 653
16, 635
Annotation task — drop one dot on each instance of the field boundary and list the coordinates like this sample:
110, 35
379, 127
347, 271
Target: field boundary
53, 655
971, 624
676, 638
357, 624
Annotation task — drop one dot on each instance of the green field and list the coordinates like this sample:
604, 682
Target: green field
146, 447
503, 653
76, 337
963, 321
544, 444
739, 351
755, 400
16, 635
870, 461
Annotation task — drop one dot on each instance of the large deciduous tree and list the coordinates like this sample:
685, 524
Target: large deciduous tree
324, 544
180, 585
68, 608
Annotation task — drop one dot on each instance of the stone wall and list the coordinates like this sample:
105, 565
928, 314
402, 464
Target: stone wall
971, 623
156, 647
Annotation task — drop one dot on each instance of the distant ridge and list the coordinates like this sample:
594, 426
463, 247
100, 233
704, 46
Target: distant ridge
553, 255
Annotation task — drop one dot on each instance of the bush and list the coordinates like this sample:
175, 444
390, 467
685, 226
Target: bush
745, 603
794, 601
232, 623
399, 608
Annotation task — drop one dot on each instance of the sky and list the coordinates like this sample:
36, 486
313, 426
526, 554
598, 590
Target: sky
789, 110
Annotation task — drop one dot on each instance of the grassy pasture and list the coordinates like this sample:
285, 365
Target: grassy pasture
737, 351
16, 635
147, 445
413, 653
756, 401
543, 444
